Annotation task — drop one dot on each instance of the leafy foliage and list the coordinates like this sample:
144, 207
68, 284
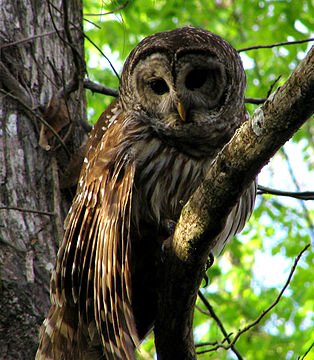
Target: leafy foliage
253, 269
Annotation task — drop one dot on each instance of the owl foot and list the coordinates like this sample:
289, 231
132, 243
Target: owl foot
209, 263
167, 227
165, 247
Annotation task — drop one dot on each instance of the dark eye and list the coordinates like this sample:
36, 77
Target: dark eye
159, 86
196, 78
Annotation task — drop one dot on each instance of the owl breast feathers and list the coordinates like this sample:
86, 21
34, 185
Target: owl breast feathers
181, 98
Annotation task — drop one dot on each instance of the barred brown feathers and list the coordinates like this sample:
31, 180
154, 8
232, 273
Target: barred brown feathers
181, 99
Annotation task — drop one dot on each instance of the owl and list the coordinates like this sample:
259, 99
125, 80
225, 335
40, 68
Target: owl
181, 98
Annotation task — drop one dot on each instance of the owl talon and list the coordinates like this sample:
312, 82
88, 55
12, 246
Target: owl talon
168, 226
165, 247
209, 263
206, 279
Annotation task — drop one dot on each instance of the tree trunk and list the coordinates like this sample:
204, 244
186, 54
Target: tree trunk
35, 65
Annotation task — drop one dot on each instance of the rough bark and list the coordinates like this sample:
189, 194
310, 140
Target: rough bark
35, 64
204, 215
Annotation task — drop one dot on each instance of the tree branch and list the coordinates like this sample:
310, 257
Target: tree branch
257, 101
101, 89
110, 12
264, 312
301, 195
89, 39
275, 45
33, 211
302, 204
307, 351
204, 216
220, 325
30, 38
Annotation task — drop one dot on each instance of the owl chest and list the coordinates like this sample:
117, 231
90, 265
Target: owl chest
165, 179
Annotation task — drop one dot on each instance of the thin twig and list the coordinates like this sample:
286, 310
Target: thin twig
93, 23
110, 12
264, 312
95, 87
213, 315
78, 61
202, 311
256, 101
274, 45
53, 21
259, 101
90, 40
307, 351
72, 85
272, 86
304, 195
77, 58
27, 210
219, 323
22, 41
294, 179
102, 53
211, 344
206, 344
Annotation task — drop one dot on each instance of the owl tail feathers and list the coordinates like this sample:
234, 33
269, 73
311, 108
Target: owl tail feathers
62, 338
120, 341
58, 335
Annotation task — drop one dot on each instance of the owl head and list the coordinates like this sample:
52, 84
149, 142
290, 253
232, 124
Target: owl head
188, 85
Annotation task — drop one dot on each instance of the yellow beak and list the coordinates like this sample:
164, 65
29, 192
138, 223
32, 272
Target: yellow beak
181, 111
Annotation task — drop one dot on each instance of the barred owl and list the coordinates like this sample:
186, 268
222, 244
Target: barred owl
181, 99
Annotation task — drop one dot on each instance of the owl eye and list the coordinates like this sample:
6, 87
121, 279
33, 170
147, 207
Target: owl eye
159, 86
196, 78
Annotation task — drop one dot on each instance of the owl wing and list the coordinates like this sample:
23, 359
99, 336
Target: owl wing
91, 283
237, 219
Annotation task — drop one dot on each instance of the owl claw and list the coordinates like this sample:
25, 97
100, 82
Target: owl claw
164, 248
206, 279
167, 227
209, 263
